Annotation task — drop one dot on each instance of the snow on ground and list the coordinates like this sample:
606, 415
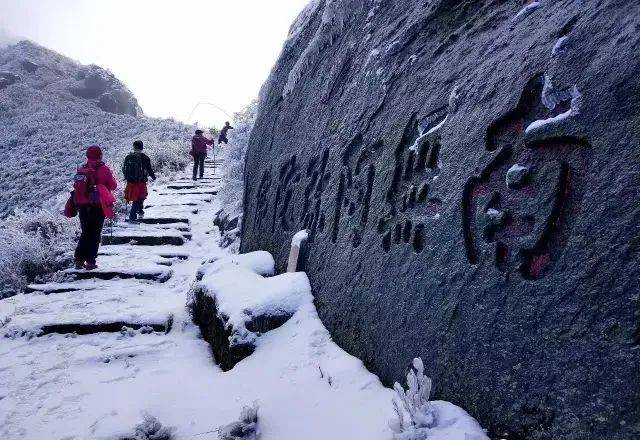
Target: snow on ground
102, 385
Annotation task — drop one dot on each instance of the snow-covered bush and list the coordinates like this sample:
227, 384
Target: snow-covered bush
232, 185
245, 428
235, 152
416, 414
33, 244
150, 429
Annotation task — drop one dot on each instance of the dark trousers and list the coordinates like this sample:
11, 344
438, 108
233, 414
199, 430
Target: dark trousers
136, 209
198, 163
222, 139
91, 222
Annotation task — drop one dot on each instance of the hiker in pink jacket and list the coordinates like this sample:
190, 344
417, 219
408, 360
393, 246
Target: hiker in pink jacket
92, 196
199, 144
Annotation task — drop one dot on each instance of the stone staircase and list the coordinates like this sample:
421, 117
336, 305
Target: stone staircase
135, 287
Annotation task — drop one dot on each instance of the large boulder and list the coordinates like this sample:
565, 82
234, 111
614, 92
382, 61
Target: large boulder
392, 131
94, 82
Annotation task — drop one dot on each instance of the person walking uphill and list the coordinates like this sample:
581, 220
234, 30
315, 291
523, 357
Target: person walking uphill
223, 133
199, 145
92, 197
137, 170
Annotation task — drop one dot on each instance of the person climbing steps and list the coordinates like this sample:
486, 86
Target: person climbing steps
223, 133
137, 170
199, 145
93, 200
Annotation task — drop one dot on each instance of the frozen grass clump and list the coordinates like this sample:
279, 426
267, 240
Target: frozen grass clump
245, 428
32, 245
416, 415
150, 429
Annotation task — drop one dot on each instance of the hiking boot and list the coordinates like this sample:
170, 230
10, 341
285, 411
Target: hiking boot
79, 264
140, 216
90, 265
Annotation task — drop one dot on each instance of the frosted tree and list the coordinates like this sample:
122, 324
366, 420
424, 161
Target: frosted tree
415, 413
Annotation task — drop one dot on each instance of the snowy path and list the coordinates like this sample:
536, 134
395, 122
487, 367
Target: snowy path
87, 356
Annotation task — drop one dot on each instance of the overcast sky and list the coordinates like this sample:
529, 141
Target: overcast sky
172, 54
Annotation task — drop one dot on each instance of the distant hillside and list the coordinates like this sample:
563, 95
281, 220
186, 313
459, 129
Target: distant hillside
51, 109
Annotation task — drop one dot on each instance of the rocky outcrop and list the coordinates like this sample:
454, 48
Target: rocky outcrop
468, 174
229, 345
112, 96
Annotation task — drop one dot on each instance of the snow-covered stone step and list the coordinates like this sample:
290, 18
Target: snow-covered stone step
178, 226
186, 204
192, 185
156, 254
49, 288
234, 303
180, 201
126, 266
149, 220
145, 239
160, 274
170, 212
18, 327
203, 191
106, 327
105, 308
200, 180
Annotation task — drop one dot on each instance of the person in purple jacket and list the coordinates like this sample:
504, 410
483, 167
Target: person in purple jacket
199, 145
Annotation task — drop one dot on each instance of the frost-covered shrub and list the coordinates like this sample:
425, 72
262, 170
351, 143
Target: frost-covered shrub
245, 428
150, 429
32, 245
232, 184
415, 413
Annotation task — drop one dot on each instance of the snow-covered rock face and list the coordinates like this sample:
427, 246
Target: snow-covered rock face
390, 130
51, 110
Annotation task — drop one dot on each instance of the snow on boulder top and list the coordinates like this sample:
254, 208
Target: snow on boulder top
259, 262
241, 292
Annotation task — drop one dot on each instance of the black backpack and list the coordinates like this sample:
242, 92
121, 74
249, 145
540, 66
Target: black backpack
133, 169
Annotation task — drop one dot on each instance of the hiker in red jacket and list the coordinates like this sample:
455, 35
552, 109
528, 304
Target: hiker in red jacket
92, 188
199, 145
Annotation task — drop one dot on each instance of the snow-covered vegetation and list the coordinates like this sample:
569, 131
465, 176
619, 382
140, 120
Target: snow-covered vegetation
149, 429
32, 245
418, 418
415, 412
232, 185
245, 428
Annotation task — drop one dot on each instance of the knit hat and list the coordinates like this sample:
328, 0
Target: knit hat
94, 152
